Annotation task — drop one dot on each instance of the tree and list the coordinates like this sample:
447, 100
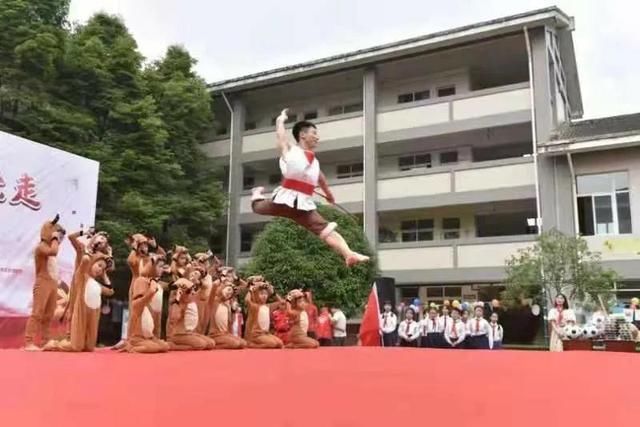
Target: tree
85, 90
557, 263
291, 257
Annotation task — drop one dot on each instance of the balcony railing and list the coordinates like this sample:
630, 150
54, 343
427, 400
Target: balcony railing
460, 182
451, 254
346, 130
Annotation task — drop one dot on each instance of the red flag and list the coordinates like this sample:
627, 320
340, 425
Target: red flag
370, 326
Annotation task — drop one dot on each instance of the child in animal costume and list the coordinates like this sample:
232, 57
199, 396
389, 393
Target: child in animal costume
183, 315
299, 321
225, 287
259, 315
203, 262
45, 289
86, 315
86, 244
139, 261
294, 198
141, 327
180, 269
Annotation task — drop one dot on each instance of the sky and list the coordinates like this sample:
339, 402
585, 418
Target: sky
234, 38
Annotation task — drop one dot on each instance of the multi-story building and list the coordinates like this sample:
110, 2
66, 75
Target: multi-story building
451, 147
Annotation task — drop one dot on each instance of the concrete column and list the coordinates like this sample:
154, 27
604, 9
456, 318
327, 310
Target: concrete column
553, 174
370, 157
235, 182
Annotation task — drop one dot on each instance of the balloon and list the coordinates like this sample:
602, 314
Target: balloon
465, 306
495, 303
635, 301
455, 304
446, 302
416, 301
535, 309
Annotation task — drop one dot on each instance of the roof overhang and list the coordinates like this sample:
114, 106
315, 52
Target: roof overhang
605, 142
498, 27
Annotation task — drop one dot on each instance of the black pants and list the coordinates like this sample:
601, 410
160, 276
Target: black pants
324, 342
338, 341
478, 342
405, 343
390, 339
431, 340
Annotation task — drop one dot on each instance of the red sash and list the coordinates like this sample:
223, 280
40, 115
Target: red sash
299, 186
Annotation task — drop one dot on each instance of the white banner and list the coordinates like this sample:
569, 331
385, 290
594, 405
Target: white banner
36, 183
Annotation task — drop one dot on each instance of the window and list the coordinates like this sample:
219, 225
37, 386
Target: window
453, 291
446, 91
413, 96
248, 182
352, 108
334, 111
310, 115
603, 204
416, 161
274, 179
249, 125
246, 241
345, 109
448, 157
411, 292
405, 97
451, 228
423, 94
417, 230
434, 292
291, 118
349, 171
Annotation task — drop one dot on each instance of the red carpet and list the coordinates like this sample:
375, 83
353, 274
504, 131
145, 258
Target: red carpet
328, 387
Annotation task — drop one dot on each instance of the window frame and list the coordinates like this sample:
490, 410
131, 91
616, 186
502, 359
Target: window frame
612, 194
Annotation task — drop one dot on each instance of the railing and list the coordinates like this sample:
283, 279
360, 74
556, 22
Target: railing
448, 254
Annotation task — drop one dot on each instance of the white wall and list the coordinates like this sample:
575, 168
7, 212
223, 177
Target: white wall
389, 91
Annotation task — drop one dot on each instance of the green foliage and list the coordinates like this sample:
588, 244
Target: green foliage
557, 263
85, 90
291, 257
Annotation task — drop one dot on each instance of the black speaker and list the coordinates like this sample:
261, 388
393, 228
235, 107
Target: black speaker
386, 290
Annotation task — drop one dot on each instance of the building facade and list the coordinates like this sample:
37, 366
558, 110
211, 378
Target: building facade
451, 147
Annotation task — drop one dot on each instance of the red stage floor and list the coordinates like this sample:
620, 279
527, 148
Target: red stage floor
328, 387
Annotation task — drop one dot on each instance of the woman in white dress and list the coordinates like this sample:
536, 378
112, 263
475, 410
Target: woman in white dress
559, 317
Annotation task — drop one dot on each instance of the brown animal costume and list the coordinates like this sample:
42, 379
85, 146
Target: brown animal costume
86, 310
183, 315
92, 244
180, 269
45, 288
141, 337
225, 287
205, 262
299, 321
139, 261
259, 315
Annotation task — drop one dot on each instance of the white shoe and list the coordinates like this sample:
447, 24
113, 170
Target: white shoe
32, 347
256, 194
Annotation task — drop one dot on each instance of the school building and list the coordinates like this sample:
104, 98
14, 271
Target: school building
452, 147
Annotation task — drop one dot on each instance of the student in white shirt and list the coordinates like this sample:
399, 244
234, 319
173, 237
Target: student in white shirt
389, 326
409, 330
339, 322
430, 329
443, 323
496, 332
479, 331
456, 332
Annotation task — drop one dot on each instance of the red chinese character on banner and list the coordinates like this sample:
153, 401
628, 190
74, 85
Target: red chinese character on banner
26, 193
3, 198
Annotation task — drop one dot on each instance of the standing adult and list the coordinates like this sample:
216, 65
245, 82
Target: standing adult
559, 317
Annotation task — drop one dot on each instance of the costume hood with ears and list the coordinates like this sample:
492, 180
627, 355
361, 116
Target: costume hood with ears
135, 240
50, 227
257, 283
294, 295
150, 268
180, 250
